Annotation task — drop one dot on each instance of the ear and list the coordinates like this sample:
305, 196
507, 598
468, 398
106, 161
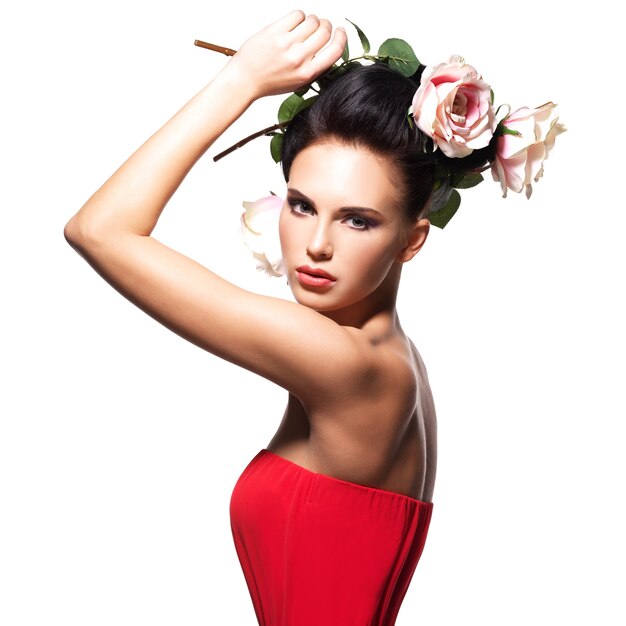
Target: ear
415, 237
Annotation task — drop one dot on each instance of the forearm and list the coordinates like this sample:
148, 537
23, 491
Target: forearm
134, 197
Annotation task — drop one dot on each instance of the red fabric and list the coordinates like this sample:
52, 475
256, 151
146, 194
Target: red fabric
320, 551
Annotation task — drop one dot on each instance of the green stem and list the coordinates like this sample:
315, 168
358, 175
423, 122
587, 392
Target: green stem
370, 57
483, 169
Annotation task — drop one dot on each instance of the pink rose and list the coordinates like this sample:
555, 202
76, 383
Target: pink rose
453, 106
259, 229
519, 158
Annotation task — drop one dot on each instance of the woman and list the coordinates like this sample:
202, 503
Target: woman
330, 519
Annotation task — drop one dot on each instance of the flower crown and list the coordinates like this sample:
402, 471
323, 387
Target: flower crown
453, 106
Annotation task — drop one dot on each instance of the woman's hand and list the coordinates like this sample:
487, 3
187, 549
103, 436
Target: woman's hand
287, 54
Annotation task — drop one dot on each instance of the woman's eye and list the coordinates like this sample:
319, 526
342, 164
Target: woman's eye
359, 223
299, 207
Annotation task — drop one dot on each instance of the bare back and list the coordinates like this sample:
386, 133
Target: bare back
388, 441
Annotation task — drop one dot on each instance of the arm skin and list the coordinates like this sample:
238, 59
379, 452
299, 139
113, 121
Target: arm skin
282, 341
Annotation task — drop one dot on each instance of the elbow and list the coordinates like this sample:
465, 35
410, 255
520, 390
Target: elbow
78, 232
70, 231
75, 233
78, 235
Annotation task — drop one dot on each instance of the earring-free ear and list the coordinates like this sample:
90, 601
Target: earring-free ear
415, 240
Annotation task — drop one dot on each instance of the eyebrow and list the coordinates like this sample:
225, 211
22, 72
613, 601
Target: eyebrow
345, 209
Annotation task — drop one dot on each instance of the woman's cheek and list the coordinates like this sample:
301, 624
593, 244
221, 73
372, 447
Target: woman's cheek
369, 264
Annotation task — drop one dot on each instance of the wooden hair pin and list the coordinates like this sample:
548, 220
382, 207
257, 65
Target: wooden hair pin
210, 46
230, 52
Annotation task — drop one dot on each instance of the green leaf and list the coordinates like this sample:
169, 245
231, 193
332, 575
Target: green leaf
346, 53
460, 181
325, 79
364, 41
334, 72
289, 108
276, 147
307, 103
400, 56
409, 116
492, 96
441, 217
302, 90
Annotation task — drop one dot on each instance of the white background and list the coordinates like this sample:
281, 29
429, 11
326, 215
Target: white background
120, 443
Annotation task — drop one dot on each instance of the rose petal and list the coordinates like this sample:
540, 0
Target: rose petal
514, 171
510, 145
453, 106
259, 230
497, 171
519, 159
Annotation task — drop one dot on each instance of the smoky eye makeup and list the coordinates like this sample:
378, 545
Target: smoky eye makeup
359, 222
301, 205
296, 202
366, 224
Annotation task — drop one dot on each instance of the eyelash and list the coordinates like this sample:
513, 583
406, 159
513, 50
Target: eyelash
294, 203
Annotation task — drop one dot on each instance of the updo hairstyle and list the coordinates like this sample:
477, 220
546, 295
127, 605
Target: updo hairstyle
367, 107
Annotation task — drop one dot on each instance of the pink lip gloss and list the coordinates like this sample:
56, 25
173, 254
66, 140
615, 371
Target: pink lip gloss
313, 281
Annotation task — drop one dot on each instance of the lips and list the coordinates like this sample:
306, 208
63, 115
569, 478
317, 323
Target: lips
314, 277
315, 271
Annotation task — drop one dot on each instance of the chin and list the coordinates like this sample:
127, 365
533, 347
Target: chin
319, 301
312, 302
323, 301
331, 299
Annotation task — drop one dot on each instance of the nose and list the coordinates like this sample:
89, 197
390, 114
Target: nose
320, 246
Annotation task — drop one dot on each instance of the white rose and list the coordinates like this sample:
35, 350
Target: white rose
259, 229
519, 158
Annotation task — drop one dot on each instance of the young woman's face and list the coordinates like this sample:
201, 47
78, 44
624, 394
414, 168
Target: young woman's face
341, 216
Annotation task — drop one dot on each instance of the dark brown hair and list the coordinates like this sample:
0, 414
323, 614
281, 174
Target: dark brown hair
367, 107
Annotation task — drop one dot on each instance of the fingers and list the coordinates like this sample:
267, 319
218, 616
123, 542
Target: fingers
318, 37
324, 58
314, 34
308, 43
306, 28
289, 21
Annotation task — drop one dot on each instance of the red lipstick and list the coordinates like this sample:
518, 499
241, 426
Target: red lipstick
314, 276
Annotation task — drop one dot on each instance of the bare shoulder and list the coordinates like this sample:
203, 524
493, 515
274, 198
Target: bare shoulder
383, 380
420, 366
382, 433
425, 397
384, 360
428, 419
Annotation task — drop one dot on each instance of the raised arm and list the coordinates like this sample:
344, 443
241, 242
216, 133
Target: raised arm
294, 346
282, 57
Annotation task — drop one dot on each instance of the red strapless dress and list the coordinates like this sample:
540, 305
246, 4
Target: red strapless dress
320, 551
